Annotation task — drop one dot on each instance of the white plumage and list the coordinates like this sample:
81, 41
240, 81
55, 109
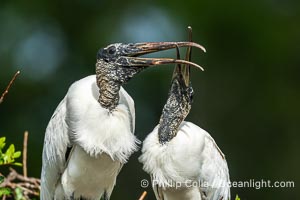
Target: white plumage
190, 159
90, 135
101, 142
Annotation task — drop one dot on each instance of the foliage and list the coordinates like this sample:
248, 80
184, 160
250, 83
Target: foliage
4, 191
8, 158
19, 194
16, 186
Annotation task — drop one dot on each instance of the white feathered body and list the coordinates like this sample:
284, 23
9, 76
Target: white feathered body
100, 143
190, 166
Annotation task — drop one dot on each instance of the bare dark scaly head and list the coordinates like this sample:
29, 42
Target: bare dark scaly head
118, 63
179, 100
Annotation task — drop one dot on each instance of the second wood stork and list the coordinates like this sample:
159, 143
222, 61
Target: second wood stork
183, 160
90, 135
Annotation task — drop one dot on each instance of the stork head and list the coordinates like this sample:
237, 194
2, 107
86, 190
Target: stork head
118, 63
179, 101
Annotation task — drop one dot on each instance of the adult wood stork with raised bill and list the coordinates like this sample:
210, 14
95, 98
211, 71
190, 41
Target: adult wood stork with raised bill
183, 160
90, 135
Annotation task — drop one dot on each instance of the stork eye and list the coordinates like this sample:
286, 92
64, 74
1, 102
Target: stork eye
112, 50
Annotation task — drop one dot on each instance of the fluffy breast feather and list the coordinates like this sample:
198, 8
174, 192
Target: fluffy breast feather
190, 156
178, 160
95, 128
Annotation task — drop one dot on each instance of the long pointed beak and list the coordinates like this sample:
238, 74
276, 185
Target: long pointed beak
133, 61
150, 47
183, 72
186, 71
137, 49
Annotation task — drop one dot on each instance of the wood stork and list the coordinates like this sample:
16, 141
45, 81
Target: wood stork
90, 135
183, 160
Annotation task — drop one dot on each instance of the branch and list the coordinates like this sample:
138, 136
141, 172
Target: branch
142, 197
30, 186
8, 87
25, 141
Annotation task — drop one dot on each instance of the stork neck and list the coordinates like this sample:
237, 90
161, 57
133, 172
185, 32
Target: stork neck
109, 96
108, 92
168, 127
110, 77
174, 112
108, 84
171, 117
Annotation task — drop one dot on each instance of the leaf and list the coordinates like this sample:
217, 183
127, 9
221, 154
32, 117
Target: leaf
5, 159
17, 154
4, 191
2, 142
19, 194
18, 164
237, 197
10, 155
11, 150
8, 158
1, 179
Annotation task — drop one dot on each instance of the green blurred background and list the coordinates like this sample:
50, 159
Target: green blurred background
248, 97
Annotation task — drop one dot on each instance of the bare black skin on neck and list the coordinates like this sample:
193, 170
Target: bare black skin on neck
112, 72
175, 110
109, 80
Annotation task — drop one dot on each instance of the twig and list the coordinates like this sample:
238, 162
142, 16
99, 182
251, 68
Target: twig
8, 86
25, 141
143, 195
29, 186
